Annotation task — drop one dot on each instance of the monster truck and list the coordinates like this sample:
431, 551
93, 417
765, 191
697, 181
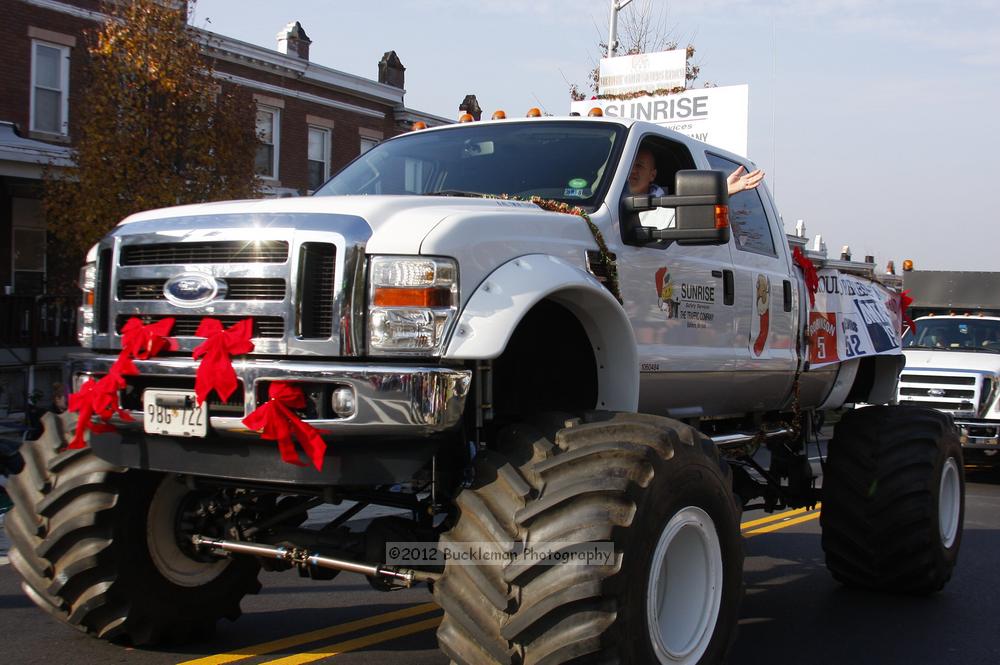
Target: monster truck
481, 327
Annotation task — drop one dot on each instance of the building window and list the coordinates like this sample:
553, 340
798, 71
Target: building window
49, 88
319, 156
367, 144
29, 261
268, 135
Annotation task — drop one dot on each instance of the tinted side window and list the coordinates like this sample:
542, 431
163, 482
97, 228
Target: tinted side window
746, 214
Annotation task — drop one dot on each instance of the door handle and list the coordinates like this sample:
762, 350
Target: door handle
788, 295
728, 288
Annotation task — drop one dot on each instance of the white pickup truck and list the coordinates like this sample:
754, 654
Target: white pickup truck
953, 364
575, 374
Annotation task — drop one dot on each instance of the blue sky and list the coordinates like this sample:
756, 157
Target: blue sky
878, 123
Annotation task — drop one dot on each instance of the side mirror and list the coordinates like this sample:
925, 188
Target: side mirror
702, 203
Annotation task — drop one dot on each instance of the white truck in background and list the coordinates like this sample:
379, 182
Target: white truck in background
953, 356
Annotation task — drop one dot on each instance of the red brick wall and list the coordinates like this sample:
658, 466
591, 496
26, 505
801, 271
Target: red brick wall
15, 57
15, 90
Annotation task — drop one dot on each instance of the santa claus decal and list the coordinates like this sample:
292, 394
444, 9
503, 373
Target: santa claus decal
762, 321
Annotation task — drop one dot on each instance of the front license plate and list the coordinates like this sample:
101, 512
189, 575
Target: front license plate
173, 413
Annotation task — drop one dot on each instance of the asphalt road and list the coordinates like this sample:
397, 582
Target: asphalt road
793, 612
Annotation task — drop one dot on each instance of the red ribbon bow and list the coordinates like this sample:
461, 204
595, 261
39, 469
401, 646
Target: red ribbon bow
216, 370
143, 342
279, 423
905, 300
97, 398
809, 274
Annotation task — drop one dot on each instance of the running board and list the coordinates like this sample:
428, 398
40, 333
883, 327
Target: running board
405, 577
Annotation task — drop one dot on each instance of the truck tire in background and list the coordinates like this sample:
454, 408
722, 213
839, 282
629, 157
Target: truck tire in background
893, 499
96, 547
653, 487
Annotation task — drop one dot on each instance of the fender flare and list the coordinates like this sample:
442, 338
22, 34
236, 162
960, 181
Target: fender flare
502, 300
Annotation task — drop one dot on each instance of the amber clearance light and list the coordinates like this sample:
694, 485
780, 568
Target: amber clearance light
533, 112
721, 217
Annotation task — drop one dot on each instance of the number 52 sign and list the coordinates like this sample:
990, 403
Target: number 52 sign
853, 318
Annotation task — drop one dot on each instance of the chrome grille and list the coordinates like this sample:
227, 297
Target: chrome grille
229, 251
238, 289
318, 268
185, 325
957, 393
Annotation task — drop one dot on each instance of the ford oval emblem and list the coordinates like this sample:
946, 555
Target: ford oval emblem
191, 289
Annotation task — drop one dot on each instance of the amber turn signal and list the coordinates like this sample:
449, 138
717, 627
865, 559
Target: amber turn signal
407, 297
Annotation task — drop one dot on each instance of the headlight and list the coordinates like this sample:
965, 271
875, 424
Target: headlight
85, 316
411, 304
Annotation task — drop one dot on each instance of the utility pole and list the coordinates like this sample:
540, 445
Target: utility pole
616, 6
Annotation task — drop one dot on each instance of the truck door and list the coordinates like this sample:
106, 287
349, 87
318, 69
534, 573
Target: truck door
766, 308
675, 297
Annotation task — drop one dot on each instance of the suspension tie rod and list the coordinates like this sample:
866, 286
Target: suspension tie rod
405, 576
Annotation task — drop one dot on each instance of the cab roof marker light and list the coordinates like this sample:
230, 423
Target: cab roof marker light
499, 114
534, 112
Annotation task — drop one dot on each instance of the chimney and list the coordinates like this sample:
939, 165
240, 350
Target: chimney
294, 41
470, 105
390, 70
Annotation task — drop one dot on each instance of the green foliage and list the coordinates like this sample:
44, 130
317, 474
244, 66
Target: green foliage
154, 127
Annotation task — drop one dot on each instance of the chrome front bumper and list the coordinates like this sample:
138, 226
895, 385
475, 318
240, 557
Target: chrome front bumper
391, 400
979, 434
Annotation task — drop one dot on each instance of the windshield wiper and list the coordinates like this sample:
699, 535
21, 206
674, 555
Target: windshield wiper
456, 192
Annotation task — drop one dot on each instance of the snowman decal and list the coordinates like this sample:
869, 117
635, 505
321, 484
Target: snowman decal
761, 323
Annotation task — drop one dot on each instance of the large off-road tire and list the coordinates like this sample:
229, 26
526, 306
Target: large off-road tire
654, 488
893, 499
96, 547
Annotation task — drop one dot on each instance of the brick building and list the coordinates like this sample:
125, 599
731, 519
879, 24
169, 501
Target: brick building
312, 120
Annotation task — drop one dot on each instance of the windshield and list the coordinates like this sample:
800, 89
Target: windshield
955, 334
567, 161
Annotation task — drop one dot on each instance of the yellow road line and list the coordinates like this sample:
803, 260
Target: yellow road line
357, 643
312, 636
781, 525
773, 518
